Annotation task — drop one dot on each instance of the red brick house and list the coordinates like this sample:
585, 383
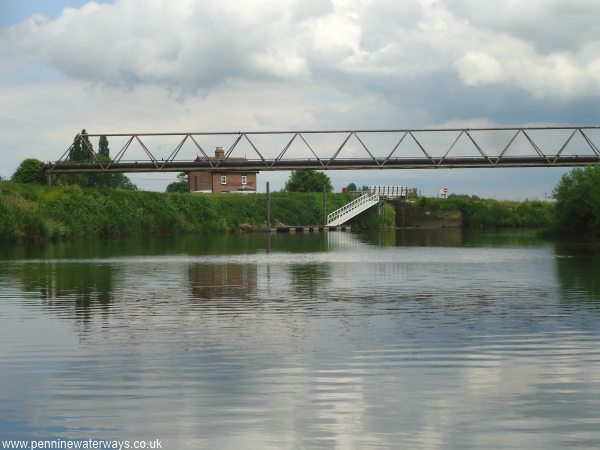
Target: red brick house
204, 181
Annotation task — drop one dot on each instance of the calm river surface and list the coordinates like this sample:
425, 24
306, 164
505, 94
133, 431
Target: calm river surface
411, 339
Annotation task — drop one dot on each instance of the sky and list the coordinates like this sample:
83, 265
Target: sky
254, 65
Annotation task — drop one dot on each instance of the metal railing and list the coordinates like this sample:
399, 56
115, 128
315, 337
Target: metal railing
393, 192
352, 209
342, 149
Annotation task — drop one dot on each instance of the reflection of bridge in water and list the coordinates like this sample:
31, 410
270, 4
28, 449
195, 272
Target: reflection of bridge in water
340, 149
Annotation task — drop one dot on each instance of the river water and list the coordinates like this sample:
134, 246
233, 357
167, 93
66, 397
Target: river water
410, 339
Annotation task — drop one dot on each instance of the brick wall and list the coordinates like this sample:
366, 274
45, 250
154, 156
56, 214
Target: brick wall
200, 181
207, 181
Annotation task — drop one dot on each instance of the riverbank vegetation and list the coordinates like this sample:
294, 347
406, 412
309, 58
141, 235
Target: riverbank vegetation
36, 212
578, 203
31, 211
478, 212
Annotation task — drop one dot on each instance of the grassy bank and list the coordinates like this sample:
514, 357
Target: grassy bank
35, 212
479, 212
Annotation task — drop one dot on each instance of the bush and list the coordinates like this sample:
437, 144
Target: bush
308, 181
29, 171
478, 212
38, 212
578, 202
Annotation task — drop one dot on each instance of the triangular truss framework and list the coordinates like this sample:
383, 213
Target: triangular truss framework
332, 154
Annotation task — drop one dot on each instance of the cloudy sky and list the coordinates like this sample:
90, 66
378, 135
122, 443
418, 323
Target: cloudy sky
185, 65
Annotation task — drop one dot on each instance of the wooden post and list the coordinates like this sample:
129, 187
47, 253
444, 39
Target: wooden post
268, 207
324, 205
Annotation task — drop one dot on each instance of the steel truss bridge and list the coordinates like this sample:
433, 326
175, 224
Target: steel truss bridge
339, 149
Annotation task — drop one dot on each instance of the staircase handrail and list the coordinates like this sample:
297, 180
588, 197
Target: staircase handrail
365, 197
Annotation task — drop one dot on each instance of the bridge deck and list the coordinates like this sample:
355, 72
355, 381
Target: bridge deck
338, 164
344, 149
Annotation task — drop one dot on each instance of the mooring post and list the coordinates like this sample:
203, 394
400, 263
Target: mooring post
324, 205
268, 206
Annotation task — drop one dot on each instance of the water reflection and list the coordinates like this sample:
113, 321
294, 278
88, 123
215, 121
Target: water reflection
401, 340
78, 287
308, 278
209, 281
578, 268
455, 237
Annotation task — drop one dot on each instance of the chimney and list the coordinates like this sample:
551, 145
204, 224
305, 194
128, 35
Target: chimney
219, 153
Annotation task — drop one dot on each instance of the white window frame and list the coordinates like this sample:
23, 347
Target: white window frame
223, 179
244, 179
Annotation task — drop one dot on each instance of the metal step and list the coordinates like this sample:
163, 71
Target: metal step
352, 209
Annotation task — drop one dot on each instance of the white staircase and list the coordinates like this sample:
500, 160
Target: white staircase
354, 208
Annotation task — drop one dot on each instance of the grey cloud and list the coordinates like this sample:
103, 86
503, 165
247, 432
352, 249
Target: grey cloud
195, 47
309, 9
550, 25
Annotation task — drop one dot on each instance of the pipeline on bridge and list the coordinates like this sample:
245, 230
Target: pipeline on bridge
339, 149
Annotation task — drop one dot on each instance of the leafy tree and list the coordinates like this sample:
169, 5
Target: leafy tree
86, 146
181, 185
110, 180
308, 181
352, 187
103, 150
81, 151
121, 181
578, 202
82, 148
29, 171
75, 154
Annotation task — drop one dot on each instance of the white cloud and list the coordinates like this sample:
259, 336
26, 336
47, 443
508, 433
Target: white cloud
264, 64
477, 68
194, 47
185, 44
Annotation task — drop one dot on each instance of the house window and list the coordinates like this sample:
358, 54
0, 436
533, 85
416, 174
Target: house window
244, 179
223, 179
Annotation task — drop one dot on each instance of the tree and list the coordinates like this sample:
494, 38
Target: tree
29, 171
103, 150
108, 180
121, 181
578, 202
81, 151
352, 187
82, 148
181, 185
308, 181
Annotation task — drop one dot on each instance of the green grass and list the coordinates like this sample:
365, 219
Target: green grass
35, 212
479, 212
